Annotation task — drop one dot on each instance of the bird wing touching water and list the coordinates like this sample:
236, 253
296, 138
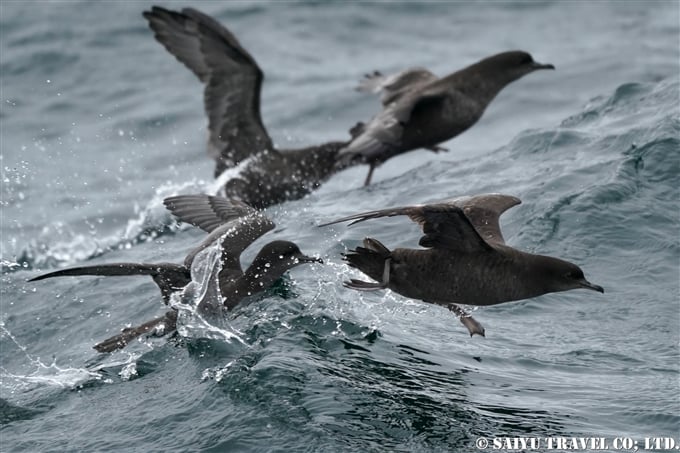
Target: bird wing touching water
232, 79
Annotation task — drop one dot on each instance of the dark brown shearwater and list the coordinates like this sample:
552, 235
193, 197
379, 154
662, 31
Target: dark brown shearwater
422, 110
465, 260
233, 83
231, 224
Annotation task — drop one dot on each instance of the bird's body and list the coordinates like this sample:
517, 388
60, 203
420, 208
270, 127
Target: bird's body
422, 110
479, 278
233, 82
274, 177
465, 259
233, 226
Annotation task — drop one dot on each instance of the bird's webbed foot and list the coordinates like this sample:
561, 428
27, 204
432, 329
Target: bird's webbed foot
437, 149
369, 176
473, 326
361, 285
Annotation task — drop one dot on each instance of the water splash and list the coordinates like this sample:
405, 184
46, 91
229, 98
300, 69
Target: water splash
200, 313
227, 175
9, 266
129, 371
151, 221
216, 373
51, 375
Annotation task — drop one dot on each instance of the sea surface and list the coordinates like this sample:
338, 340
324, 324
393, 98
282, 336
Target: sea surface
99, 123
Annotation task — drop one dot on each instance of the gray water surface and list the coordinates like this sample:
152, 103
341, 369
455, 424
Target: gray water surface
99, 123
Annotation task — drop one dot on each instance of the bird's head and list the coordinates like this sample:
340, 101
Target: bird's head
511, 65
560, 275
278, 256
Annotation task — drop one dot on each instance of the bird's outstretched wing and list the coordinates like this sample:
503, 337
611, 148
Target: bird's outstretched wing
484, 212
168, 277
381, 138
465, 224
232, 79
393, 86
235, 224
205, 211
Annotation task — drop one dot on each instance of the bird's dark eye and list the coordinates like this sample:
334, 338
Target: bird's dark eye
576, 275
526, 59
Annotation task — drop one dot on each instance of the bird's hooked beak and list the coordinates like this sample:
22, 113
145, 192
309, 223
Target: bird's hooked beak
309, 259
536, 65
587, 285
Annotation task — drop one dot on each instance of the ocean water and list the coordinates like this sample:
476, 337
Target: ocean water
98, 123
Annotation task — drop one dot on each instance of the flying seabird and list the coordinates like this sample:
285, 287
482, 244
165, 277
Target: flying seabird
233, 82
233, 226
465, 259
421, 110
